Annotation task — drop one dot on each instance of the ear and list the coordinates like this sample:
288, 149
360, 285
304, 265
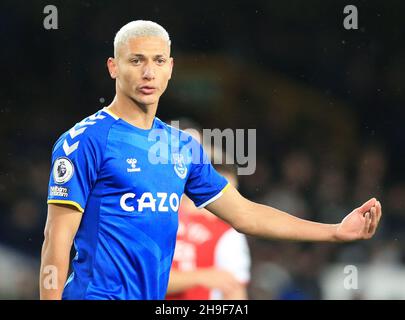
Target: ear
171, 67
112, 67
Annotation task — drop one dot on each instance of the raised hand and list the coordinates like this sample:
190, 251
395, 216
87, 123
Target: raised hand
361, 223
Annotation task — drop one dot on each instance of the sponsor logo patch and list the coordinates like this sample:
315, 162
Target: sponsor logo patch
56, 191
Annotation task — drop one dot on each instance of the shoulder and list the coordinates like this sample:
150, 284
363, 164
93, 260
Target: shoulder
231, 236
232, 243
91, 132
232, 253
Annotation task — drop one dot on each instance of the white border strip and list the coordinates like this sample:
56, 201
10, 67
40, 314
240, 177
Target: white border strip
214, 197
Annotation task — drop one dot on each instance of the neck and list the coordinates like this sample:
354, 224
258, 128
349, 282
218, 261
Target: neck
140, 116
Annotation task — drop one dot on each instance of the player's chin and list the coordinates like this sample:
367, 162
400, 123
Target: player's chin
149, 99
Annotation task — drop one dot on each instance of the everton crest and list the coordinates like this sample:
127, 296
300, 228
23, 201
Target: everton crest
180, 166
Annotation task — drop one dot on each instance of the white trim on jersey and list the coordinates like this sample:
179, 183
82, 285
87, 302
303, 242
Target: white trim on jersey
214, 197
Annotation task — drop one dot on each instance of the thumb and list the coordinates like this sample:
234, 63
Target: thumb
367, 206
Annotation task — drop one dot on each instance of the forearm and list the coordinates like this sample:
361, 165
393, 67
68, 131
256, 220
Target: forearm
240, 293
263, 221
267, 222
183, 280
54, 268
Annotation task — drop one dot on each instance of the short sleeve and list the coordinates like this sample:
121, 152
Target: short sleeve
74, 170
204, 184
232, 254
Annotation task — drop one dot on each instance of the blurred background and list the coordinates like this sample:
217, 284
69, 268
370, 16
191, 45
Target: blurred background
327, 103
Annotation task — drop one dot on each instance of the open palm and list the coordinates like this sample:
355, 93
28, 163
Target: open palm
361, 223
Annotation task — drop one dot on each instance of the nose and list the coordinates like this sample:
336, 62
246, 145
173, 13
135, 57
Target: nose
148, 72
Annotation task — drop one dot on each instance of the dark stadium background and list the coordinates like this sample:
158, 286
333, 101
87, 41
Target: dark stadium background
327, 103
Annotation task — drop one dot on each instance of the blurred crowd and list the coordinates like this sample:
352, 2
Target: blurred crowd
327, 105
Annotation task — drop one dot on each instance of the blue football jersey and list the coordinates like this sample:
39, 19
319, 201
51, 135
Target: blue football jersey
128, 183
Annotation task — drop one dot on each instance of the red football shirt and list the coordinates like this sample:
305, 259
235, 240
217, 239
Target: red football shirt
205, 241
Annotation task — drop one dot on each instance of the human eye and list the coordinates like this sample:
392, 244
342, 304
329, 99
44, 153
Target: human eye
160, 61
135, 61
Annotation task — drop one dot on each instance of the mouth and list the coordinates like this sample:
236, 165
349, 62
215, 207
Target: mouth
147, 89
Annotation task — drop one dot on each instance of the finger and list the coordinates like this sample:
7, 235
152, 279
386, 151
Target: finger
379, 212
373, 221
367, 223
367, 206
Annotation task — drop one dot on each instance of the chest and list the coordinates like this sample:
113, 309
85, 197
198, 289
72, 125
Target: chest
130, 165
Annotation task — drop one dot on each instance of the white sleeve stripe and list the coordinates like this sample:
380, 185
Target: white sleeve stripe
213, 198
69, 149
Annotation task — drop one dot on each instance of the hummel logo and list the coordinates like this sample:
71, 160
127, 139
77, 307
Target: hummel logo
132, 162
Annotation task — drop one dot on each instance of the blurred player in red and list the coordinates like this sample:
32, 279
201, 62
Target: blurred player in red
211, 260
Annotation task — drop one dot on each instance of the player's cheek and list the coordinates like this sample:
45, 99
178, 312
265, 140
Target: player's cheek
165, 80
